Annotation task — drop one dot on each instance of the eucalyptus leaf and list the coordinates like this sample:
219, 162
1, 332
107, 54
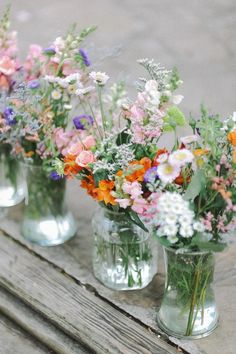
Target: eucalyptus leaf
196, 185
136, 220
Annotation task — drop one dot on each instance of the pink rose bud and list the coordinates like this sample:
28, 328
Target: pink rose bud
85, 158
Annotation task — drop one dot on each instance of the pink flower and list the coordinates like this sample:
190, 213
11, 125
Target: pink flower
124, 203
75, 149
85, 158
67, 68
139, 206
7, 66
89, 142
137, 113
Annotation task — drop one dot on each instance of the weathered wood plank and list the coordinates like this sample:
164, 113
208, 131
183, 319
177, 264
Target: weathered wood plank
14, 340
71, 307
34, 324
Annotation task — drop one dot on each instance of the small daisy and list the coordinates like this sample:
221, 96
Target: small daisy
186, 231
56, 95
188, 139
167, 172
198, 226
99, 78
181, 157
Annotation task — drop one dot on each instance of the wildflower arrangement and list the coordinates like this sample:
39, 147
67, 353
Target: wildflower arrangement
196, 186
117, 149
193, 212
9, 68
40, 106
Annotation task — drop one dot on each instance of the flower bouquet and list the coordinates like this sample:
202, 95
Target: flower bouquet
11, 181
40, 107
193, 212
114, 159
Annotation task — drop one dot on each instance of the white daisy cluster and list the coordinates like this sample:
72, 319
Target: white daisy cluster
175, 219
99, 77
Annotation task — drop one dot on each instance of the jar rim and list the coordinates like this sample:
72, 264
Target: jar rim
186, 251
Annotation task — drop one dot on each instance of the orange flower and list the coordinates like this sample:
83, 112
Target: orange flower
138, 174
180, 180
89, 185
200, 152
29, 154
104, 192
232, 137
71, 167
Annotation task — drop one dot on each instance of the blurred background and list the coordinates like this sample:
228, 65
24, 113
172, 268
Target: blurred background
198, 36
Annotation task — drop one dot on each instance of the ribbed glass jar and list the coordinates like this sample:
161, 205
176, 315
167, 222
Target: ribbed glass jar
124, 256
12, 181
188, 307
46, 220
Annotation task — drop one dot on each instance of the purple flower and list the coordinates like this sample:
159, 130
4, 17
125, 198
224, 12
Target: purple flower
9, 116
150, 175
85, 57
33, 84
82, 121
49, 51
55, 176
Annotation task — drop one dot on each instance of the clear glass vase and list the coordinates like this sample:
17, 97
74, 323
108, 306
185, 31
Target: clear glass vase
124, 256
46, 220
188, 308
12, 182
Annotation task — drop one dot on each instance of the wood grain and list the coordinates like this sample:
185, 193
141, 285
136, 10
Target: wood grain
34, 324
72, 308
14, 340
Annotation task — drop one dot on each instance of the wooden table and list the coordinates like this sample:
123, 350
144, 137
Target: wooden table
50, 301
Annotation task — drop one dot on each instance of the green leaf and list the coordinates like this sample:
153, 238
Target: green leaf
173, 118
211, 246
164, 241
195, 186
135, 219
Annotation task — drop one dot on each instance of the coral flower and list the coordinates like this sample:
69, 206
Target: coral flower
232, 137
71, 167
89, 184
139, 169
104, 192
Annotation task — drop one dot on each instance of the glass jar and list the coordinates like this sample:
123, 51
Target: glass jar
12, 182
188, 307
124, 256
46, 219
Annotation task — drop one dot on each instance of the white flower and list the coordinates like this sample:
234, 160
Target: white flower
68, 107
176, 99
56, 95
185, 220
151, 85
181, 157
234, 117
59, 44
170, 219
167, 172
99, 78
73, 77
50, 78
172, 238
186, 231
162, 158
198, 226
170, 230
189, 139
84, 91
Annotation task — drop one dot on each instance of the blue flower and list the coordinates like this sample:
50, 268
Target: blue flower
9, 116
151, 175
49, 51
82, 121
33, 84
85, 57
55, 176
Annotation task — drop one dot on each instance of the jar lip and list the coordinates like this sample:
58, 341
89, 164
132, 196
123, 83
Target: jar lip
185, 251
30, 164
121, 213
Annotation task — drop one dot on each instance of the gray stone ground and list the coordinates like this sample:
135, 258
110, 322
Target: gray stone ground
199, 36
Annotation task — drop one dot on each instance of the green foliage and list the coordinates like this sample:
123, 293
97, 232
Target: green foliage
196, 185
174, 79
173, 119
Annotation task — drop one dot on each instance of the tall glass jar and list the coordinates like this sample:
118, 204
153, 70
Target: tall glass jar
124, 256
46, 219
188, 308
12, 182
